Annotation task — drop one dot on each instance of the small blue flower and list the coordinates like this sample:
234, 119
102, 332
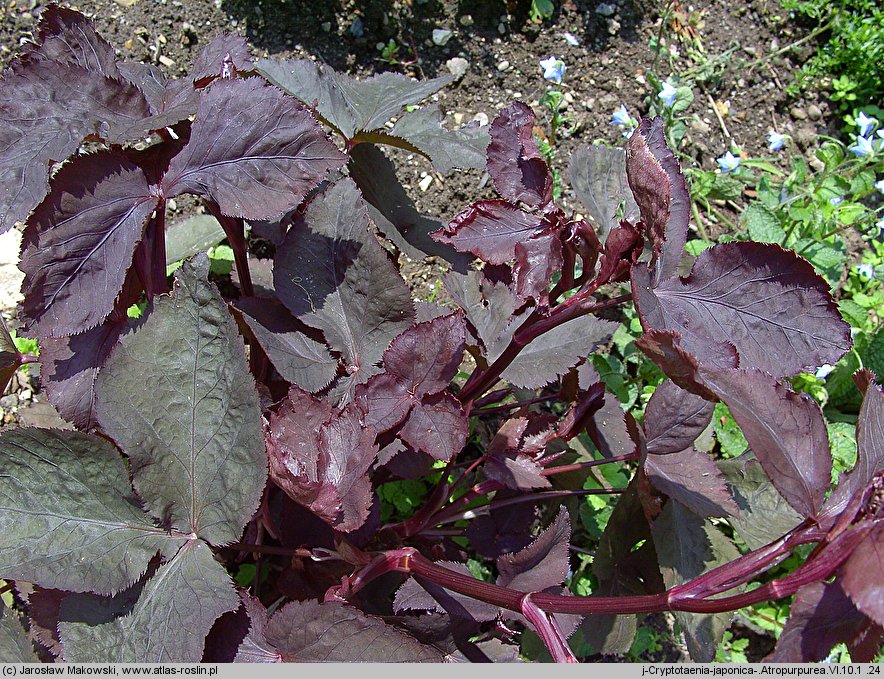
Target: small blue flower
880, 185
862, 147
823, 371
728, 162
866, 270
571, 39
837, 200
553, 69
667, 94
775, 140
864, 123
621, 117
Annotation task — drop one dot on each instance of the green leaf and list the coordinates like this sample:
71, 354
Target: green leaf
68, 517
827, 259
728, 433
853, 313
168, 623
762, 224
725, 187
695, 247
687, 546
14, 644
873, 354
842, 441
178, 398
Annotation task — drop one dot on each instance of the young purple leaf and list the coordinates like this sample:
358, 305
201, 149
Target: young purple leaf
785, 430
252, 150
509, 457
537, 259
437, 426
821, 617
79, 243
10, 357
766, 301
514, 162
623, 247
210, 62
661, 193
674, 418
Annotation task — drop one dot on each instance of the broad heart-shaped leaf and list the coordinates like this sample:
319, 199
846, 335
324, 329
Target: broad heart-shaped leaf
863, 574
661, 193
517, 168
869, 452
764, 514
252, 150
692, 478
299, 359
462, 148
555, 352
70, 367
78, 244
46, 110
437, 426
688, 546
766, 301
821, 617
15, 647
320, 457
674, 418
598, 177
176, 395
334, 276
490, 229
393, 212
69, 519
67, 37
309, 631
785, 430
348, 104
170, 620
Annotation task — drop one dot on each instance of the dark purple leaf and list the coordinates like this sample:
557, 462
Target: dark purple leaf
309, 631
320, 457
15, 647
348, 104
462, 148
218, 54
10, 357
334, 276
598, 177
46, 110
255, 648
70, 366
185, 367
537, 259
79, 243
665, 349
674, 418
509, 460
821, 617
252, 151
555, 352
170, 100
661, 193
393, 212
766, 301
514, 161
299, 359
863, 574
692, 478
582, 411
423, 595
869, 452
622, 248
688, 546
437, 426
490, 229
785, 430
505, 529
543, 564
67, 37
609, 430
764, 514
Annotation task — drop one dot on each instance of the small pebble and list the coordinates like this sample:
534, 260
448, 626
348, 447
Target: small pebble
466, 20
457, 66
814, 112
326, 26
798, 113
605, 9
424, 183
441, 36
503, 66
166, 61
482, 118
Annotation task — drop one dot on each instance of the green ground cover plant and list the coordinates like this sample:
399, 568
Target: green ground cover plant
312, 466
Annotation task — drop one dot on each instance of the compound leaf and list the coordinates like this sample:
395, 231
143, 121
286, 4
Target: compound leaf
69, 519
766, 301
785, 430
79, 243
178, 398
252, 151
170, 620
